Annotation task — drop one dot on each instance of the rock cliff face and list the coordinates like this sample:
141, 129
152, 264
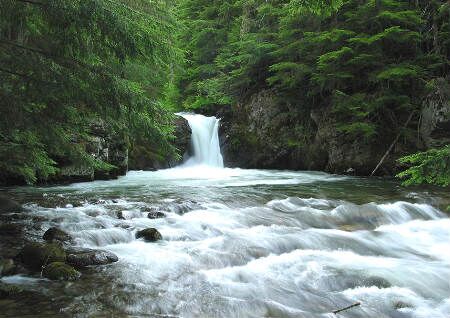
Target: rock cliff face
435, 119
113, 149
258, 134
103, 145
182, 140
145, 159
265, 132
342, 154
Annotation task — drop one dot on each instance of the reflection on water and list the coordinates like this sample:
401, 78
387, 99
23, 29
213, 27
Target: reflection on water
245, 243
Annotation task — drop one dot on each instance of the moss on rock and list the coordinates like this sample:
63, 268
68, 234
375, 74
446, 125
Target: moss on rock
60, 271
6, 266
36, 255
8, 291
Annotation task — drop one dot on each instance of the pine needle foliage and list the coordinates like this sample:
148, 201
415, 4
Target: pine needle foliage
66, 65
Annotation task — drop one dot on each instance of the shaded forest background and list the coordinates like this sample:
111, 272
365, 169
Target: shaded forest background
93, 85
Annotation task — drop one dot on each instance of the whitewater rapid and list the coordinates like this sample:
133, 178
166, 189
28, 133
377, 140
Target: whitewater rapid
243, 243
252, 243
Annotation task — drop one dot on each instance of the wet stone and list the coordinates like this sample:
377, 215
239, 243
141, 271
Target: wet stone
9, 291
400, 304
9, 206
36, 255
7, 267
379, 282
55, 234
149, 235
156, 215
60, 271
89, 257
185, 207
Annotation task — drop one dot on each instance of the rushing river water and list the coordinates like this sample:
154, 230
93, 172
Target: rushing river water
244, 243
241, 243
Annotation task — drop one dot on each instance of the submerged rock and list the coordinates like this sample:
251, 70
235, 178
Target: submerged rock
7, 290
351, 227
184, 207
154, 212
89, 257
55, 234
7, 267
9, 206
36, 255
60, 271
400, 304
156, 215
379, 282
149, 235
120, 215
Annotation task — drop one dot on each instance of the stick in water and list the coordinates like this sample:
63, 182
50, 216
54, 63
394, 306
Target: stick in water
346, 308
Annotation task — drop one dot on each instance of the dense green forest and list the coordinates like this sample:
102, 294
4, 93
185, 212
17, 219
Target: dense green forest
69, 66
370, 62
65, 66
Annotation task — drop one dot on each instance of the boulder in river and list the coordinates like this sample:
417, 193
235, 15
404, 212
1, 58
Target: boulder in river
149, 235
60, 271
9, 206
155, 215
7, 266
88, 257
401, 304
55, 234
120, 215
36, 255
154, 212
379, 282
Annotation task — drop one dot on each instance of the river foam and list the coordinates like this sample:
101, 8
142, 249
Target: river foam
233, 248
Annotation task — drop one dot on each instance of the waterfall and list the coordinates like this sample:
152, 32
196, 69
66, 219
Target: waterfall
204, 140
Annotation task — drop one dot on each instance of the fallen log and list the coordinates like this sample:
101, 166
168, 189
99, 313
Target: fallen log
346, 308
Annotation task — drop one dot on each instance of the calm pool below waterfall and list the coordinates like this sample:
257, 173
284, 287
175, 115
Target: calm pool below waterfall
243, 243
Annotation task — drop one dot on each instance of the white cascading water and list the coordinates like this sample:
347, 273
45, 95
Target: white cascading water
243, 243
204, 140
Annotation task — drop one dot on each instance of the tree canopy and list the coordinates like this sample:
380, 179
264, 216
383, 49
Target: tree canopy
68, 64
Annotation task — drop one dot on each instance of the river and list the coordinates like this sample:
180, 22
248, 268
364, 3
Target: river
244, 243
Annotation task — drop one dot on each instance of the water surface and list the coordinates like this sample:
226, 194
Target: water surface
244, 243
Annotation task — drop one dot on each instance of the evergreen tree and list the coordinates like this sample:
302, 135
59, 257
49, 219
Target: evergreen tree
65, 65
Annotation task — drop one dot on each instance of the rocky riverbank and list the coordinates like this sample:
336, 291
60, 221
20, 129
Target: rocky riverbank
55, 255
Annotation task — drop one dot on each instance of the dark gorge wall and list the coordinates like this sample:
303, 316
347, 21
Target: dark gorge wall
267, 132
104, 145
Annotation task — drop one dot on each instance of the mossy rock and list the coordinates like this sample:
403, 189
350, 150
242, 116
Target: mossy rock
7, 266
149, 235
36, 255
9, 206
60, 271
8, 291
